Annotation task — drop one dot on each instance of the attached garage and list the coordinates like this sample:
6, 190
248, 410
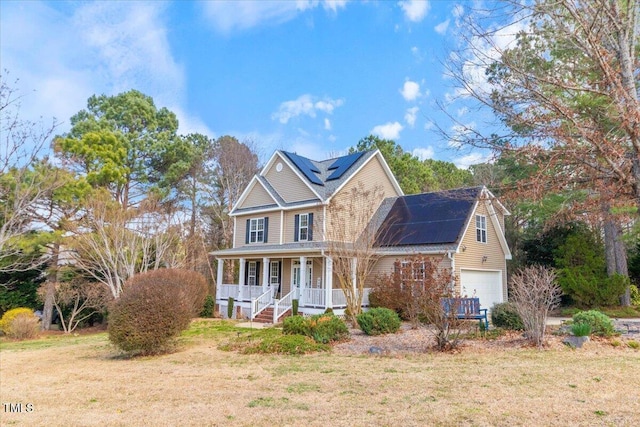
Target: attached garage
486, 285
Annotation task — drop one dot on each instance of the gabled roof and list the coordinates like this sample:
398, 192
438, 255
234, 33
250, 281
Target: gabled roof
438, 218
324, 178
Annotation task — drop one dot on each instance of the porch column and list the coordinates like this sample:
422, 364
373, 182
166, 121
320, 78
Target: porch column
219, 278
265, 274
328, 282
241, 280
303, 278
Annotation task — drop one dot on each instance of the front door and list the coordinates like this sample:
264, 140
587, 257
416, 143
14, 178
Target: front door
296, 274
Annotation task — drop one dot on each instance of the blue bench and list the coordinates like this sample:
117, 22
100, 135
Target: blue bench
466, 308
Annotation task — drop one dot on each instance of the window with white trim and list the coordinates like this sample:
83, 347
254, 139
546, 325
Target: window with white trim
252, 273
303, 228
256, 230
481, 228
274, 276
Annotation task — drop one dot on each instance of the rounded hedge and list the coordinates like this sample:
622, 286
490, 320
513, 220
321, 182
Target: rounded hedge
154, 308
504, 315
379, 321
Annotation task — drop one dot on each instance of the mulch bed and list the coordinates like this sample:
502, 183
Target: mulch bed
409, 341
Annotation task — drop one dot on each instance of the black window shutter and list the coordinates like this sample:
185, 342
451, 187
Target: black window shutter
246, 272
266, 228
310, 228
247, 232
296, 226
258, 274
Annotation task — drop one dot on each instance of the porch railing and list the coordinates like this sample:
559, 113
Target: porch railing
339, 300
260, 303
248, 292
227, 291
282, 305
313, 297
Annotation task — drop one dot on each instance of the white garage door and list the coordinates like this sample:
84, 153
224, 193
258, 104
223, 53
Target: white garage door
487, 286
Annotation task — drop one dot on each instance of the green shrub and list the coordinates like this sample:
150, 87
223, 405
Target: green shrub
379, 321
294, 307
208, 307
635, 295
581, 329
20, 323
296, 325
326, 328
504, 315
599, 322
230, 308
287, 344
633, 344
323, 328
154, 308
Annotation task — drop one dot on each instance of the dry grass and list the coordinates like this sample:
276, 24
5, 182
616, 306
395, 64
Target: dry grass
83, 381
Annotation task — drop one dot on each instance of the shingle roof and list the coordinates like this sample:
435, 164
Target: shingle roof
435, 218
324, 176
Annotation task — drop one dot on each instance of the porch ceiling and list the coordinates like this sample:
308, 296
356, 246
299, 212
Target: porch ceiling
276, 251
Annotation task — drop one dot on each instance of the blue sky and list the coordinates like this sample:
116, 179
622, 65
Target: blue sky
312, 77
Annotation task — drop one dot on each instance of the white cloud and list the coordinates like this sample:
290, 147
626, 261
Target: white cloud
483, 51
410, 90
388, 130
305, 105
441, 28
459, 132
423, 153
410, 116
415, 10
233, 15
92, 48
471, 159
458, 11
327, 124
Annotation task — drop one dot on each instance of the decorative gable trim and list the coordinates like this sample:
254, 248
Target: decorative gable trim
279, 156
488, 198
248, 190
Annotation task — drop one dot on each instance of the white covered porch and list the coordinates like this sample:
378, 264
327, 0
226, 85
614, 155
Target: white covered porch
270, 284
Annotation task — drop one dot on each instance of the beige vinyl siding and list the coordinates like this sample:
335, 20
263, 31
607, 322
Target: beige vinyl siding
472, 252
286, 276
273, 236
288, 185
257, 196
371, 175
385, 265
289, 223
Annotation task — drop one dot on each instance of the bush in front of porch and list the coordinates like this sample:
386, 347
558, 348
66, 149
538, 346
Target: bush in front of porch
323, 328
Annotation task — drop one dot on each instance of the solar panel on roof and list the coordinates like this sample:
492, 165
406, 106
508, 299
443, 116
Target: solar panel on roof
342, 164
424, 219
305, 166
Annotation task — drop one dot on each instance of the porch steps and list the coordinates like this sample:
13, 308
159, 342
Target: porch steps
266, 315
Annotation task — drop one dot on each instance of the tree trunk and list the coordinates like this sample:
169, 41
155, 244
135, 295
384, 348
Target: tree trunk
615, 252
52, 278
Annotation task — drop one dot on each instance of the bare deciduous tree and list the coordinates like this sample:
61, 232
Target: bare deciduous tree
534, 293
113, 244
76, 301
351, 241
21, 142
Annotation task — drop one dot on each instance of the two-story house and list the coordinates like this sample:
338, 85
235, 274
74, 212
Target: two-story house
281, 252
